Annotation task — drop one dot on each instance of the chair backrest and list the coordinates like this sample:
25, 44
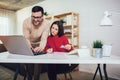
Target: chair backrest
2, 48
68, 69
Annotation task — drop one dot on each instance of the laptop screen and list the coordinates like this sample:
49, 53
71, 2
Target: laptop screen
16, 44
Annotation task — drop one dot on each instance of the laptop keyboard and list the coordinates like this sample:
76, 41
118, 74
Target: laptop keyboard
39, 53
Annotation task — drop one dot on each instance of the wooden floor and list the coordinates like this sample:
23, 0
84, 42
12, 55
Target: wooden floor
6, 74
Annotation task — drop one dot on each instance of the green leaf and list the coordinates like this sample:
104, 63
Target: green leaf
97, 44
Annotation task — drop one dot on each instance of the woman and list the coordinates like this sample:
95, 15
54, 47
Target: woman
57, 42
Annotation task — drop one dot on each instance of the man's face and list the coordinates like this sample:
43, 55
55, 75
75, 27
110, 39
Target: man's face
37, 18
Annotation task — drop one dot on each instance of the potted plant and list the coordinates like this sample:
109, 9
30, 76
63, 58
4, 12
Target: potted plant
45, 13
63, 21
97, 48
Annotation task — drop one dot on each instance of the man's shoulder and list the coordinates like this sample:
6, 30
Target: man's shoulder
27, 23
46, 23
27, 20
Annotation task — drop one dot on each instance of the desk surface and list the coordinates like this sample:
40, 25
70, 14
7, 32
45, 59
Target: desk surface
59, 58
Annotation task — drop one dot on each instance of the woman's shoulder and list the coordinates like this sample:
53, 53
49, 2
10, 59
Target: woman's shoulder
64, 36
50, 37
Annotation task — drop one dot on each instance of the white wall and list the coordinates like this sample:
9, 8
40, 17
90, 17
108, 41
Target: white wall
91, 13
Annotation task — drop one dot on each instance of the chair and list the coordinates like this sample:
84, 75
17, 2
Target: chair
68, 71
2, 48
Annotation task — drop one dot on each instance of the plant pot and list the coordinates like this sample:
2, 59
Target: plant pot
97, 52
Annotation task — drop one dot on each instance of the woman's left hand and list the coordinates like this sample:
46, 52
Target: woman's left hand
68, 46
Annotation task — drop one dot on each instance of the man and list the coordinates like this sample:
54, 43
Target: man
36, 30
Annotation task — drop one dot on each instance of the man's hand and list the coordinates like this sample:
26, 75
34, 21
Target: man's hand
38, 49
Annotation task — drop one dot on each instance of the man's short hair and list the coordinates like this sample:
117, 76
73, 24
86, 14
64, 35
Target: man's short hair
37, 9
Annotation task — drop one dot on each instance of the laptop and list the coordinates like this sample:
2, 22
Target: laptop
17, 44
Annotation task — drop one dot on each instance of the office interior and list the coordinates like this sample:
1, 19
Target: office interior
90, 12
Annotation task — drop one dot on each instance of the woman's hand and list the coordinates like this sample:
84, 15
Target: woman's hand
50, 50
68, 46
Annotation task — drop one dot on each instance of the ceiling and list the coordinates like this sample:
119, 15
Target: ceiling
15, 5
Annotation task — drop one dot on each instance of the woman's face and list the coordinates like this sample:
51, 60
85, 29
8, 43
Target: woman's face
54, 30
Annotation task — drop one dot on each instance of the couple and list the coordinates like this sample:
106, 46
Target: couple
36, 30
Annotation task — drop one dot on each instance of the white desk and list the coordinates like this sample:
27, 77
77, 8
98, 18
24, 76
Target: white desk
5, 57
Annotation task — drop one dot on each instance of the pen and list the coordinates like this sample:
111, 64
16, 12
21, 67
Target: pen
49, 47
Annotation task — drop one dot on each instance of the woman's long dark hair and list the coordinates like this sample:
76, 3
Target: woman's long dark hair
60, 28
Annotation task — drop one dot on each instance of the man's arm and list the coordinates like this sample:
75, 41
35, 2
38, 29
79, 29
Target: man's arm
44, 36
26, 32
43, 40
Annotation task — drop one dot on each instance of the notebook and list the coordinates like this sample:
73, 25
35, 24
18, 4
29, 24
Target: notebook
17, 44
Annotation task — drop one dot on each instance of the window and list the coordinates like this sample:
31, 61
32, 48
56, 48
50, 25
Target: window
4, 29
